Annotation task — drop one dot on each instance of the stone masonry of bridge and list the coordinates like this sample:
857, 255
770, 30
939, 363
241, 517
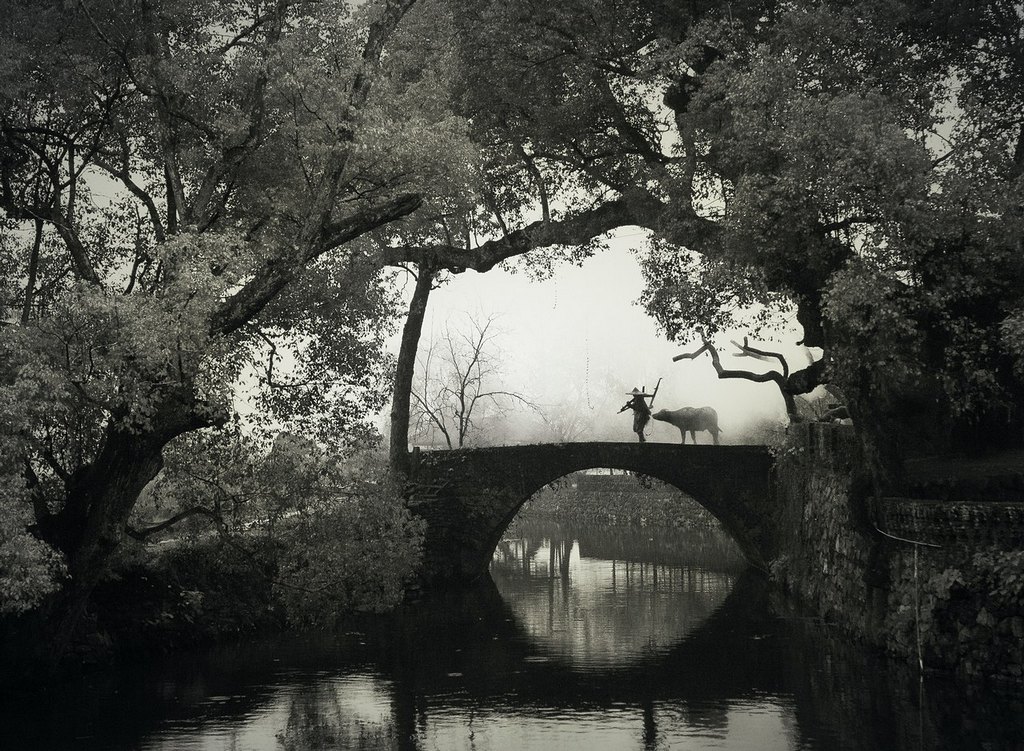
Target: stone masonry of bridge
468, 497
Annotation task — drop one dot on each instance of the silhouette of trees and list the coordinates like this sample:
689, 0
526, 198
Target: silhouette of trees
790, 384
459, 385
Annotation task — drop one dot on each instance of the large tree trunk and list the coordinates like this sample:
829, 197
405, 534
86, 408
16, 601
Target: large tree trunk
398, 452
106, 492
100, 498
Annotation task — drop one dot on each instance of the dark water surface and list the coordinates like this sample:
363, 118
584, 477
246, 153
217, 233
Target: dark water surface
589, 639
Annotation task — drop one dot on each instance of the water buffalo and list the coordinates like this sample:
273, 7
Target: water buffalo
691, 419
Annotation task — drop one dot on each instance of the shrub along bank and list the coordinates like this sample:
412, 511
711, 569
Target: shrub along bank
354, 553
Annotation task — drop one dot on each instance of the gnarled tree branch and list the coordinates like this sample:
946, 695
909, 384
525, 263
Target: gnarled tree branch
642, 210
789, 385
282, 267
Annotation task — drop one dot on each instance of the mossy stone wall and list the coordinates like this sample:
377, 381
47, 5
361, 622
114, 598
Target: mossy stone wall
937, 581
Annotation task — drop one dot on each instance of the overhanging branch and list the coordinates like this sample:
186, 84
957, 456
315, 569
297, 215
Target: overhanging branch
282, 267
747, 351
747, 375
800, 382
144, 534
644, 211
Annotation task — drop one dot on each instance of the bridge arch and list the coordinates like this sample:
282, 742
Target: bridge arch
470, 496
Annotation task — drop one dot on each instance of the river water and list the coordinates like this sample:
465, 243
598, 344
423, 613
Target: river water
589, 638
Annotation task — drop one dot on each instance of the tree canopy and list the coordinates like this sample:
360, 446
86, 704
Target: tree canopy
182, 185
856, 162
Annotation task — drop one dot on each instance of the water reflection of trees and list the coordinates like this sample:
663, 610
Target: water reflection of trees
352, 714
595, 610
709, 549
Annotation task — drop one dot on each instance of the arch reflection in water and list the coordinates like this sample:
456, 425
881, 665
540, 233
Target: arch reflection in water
600, 611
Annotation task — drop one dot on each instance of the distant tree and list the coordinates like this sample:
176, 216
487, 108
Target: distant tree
459, 384
566, 422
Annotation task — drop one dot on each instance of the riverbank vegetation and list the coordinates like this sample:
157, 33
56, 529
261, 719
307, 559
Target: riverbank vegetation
202, 199
292, 537
619, 499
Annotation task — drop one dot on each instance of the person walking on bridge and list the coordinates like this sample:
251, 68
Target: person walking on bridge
641, 410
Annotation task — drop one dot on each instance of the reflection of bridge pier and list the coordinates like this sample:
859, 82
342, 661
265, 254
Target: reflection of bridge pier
407, 713
650, 737
564, 556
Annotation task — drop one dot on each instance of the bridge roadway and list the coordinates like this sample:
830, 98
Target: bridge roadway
468, 497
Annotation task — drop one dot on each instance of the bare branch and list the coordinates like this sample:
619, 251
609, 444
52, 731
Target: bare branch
747, 351
771, 376
33, 268
538, 178
800, 382
716, 361
136, 190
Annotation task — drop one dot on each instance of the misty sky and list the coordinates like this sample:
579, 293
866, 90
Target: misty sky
581, 339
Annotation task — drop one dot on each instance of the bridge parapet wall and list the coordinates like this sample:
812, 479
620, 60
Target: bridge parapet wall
954, 523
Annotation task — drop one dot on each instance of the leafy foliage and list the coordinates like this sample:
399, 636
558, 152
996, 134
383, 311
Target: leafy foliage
331, 535
878, 191
358, 554
186, 191
29, 568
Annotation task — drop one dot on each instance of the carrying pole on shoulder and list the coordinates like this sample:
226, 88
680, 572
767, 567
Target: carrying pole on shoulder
655, 391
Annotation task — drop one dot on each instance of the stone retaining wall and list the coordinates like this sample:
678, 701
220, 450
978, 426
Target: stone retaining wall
954, 523
939, 581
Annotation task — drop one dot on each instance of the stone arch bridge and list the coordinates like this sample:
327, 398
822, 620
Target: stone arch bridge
468, 497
